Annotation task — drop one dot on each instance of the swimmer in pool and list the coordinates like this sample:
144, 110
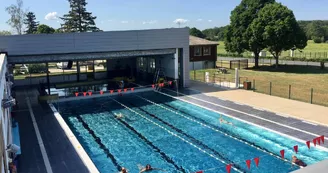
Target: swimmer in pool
123, 170
298, 161
118, 116
222, 121
148, 168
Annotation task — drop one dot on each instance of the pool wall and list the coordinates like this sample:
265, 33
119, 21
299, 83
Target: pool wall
75, 143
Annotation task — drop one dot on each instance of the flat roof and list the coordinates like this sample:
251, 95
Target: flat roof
194, 41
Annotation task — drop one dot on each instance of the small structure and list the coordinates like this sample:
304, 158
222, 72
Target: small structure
203, 53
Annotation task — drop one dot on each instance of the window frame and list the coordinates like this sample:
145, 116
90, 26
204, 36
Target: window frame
209, 50
200, 52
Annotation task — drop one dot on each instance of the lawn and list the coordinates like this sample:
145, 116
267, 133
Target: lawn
300, 78
312, 50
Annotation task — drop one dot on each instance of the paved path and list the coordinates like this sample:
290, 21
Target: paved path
62, 156
304, 111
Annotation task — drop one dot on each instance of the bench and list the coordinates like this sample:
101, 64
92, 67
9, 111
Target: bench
223, 70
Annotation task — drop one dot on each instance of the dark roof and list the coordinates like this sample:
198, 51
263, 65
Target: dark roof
193, 41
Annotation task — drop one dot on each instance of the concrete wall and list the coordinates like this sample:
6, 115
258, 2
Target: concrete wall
53, 79
39, 44
4, 113
199, 65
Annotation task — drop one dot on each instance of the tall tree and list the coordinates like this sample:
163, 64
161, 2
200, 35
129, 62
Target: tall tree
45, 29
30, 23
238, 36
5, 33
316, 31
196, 32
277, 27
17, 15
78, 19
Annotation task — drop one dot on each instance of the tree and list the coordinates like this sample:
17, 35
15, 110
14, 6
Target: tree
45, 29
31, 24
5, 33
17, 15
215, 34
277, 27
59, 30
238, 36
78, 19
316, 31
196, 32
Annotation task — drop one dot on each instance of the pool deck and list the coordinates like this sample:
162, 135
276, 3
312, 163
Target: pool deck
62, 156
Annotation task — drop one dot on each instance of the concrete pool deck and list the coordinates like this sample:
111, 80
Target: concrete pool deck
305, 111
60, 152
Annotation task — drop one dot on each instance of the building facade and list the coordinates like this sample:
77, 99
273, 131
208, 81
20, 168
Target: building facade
203, 53
6, 137
142, 50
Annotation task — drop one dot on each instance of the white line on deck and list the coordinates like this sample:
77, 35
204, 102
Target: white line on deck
310, 123
38, 136
75, 143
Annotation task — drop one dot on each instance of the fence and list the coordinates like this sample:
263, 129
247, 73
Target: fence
278, 88
297, 54
240, 64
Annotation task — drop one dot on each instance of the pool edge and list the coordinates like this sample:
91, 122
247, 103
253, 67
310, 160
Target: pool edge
75, 143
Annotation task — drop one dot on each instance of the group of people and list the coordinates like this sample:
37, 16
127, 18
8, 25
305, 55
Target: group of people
147, 168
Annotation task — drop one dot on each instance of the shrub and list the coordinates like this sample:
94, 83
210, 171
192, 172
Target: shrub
37, 68
318, 39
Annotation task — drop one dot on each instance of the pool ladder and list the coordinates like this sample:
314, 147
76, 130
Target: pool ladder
159, 73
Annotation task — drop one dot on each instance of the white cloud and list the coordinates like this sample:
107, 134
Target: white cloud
124, 21
199, 20
110, 20
149, 22
180, 21
51, 16
209, 20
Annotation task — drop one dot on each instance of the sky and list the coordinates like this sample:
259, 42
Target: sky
153, 14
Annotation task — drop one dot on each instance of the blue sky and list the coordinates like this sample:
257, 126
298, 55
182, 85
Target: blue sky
148, 14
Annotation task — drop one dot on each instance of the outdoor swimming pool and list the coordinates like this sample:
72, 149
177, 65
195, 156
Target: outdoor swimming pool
175, 136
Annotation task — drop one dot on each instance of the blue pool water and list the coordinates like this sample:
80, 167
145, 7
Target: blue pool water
175, 136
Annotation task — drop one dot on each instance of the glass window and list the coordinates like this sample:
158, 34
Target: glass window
152, 64
207, 50
198, 51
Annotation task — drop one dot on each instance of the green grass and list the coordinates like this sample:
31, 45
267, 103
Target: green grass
301, 79
312, 50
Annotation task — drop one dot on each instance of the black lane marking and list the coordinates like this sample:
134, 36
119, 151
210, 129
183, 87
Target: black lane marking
163, 155
215, 127
98, 140
192, 139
